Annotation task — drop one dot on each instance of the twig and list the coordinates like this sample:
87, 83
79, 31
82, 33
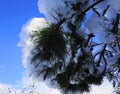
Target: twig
104, 12
94, 9
105, 65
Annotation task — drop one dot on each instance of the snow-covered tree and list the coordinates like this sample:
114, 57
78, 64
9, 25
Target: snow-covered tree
78, 46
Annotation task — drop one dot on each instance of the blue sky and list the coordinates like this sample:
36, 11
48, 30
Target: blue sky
14, 14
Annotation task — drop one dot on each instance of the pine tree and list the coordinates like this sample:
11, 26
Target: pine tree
80, 47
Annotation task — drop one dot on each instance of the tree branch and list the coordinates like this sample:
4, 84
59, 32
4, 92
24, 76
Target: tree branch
115, 27
101, 55
81, 14
87, 9
104, 12
94, 9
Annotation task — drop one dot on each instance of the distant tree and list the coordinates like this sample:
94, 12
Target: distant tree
80, 47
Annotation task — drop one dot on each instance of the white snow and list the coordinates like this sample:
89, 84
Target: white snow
94, 24
115, 4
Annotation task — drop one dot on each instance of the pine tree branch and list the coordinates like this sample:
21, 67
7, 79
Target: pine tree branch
92, 6
101, 55
105, 61
81, 14
118, 44
115, 27
89, 38
60, 23
64, 19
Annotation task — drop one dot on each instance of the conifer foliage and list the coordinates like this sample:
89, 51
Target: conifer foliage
80, 46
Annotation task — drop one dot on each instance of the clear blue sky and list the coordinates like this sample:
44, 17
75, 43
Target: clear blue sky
13, 15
